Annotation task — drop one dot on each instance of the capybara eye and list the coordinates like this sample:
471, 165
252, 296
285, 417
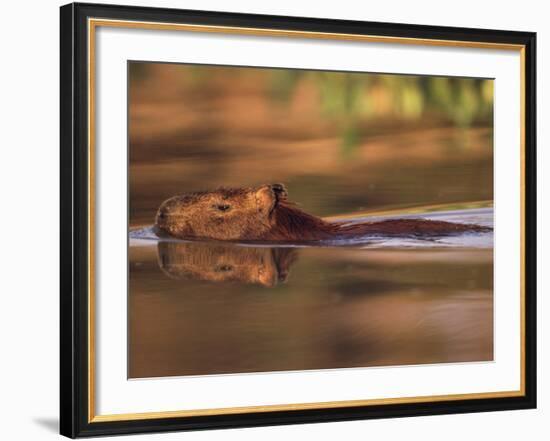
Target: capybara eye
222, 207
224, 268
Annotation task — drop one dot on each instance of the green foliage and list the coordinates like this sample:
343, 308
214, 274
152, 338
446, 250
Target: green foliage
352, 100
356, 101
351, 138
283, 83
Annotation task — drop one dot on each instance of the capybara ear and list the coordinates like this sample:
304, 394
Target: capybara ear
267, 197
280, 191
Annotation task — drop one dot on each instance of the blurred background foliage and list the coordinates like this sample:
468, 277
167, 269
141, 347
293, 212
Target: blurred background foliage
351, 98
340, 141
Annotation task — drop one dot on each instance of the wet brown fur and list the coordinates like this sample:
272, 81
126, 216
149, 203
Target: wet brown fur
264, 213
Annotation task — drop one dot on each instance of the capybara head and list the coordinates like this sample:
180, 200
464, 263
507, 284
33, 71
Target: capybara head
222, 214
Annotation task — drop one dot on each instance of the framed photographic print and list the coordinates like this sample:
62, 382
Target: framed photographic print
272, 220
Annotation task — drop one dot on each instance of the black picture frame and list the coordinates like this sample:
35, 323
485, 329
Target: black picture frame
74, 399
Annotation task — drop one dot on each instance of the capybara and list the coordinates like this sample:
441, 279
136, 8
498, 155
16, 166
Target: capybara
264, 213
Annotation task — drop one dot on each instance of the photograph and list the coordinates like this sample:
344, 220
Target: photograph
291, 219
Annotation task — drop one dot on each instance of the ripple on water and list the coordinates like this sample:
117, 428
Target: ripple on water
480, 216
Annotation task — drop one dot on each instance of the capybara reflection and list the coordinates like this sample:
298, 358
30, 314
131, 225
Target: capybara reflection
225, 263
265, 213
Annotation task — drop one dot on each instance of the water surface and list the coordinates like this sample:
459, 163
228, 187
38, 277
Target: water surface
200, 308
